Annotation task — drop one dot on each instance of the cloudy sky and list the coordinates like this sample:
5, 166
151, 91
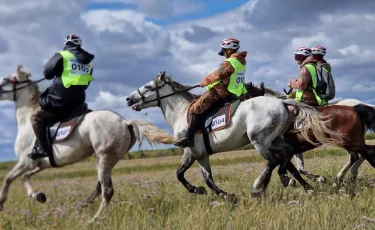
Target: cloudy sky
135, 39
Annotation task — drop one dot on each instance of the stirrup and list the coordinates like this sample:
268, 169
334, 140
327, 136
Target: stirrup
35, 156
37, 152
184, 143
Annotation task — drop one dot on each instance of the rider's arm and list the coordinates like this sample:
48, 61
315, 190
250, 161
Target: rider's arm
224, 71
303, 81
54, 67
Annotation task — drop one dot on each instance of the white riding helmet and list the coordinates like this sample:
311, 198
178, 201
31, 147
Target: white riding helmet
303, 51
229, 43
319, 50
74, 39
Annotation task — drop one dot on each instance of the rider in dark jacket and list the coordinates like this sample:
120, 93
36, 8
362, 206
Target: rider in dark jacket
64, 95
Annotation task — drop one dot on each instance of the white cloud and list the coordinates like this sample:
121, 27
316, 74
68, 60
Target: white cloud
130, 49
106, 100
364, 89
162, 8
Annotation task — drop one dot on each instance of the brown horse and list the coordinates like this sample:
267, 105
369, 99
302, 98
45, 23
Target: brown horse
350, 121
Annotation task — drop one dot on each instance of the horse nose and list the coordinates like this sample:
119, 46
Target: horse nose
127, 99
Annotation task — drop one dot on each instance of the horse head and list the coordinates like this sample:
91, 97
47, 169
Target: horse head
149, 94
9, 84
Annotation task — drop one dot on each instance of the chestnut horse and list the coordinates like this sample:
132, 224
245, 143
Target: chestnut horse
352, 122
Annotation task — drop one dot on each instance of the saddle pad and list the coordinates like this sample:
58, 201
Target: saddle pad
220, 119
62, 130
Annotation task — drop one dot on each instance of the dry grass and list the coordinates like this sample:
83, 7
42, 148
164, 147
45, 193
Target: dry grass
149, 197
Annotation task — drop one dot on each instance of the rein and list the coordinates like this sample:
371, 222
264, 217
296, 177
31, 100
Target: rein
14, 90
158, 97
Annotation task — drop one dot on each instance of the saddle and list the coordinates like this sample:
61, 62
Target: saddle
58, 131
216, 118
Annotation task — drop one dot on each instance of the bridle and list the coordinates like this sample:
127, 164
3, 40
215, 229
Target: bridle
14, 83
157, 88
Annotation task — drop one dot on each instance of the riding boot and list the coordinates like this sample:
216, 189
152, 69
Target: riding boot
41, 148
188, 140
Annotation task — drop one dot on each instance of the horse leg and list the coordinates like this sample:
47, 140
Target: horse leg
261, 183
295, 173
287, 152
94, 194
38, 196
15, 172
300, 162
301, 168
186, 163
104, 166
288, 165
354, 169
204, 164
352, 158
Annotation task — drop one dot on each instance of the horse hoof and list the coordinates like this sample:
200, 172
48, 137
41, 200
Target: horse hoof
230, 197
322, 180
292, 183
41, 197
309, 191
256, 193
285, 180
200, 191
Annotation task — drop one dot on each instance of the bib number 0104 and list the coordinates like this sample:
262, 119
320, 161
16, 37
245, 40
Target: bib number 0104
218, 122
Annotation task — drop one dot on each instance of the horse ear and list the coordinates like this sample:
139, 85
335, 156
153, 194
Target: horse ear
162, 76
21, 72
261, 85
20, 69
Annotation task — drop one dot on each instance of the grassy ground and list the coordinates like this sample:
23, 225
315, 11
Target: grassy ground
148, 196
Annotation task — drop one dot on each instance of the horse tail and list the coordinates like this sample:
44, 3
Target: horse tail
142, 129
366, 115
316, 122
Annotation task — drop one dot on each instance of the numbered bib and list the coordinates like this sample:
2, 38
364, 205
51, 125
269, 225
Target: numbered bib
78, 69
63, 132
218, 122
240, 78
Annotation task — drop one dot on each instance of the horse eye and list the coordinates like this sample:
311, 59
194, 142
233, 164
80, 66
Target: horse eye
148, 86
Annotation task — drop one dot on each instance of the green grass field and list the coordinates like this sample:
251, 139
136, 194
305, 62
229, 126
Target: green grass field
148, 196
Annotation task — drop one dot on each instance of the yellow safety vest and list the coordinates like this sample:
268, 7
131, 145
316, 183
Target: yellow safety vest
299, 92
236, 80
75, 73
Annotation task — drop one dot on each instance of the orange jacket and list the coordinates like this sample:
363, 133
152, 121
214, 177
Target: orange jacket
223, 73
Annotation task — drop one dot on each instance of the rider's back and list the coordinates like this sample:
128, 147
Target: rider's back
58, 98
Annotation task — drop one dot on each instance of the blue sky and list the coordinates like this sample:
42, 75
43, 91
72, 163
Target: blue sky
135, 39
208, 8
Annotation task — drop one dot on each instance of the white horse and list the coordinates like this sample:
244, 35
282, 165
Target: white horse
261, 121
354, 159
104, 133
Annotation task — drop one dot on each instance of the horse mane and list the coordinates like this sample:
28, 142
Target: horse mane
34, 96
271, 91
177, 86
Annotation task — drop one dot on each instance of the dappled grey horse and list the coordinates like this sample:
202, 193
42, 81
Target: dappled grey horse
261, 121
104, 133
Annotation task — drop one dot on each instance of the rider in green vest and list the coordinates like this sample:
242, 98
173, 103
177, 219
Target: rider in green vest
71, 70
227, 81
306, 83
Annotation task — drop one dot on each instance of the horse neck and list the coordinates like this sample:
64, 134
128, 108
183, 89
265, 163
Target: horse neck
24, 108
272, 93
174, 107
